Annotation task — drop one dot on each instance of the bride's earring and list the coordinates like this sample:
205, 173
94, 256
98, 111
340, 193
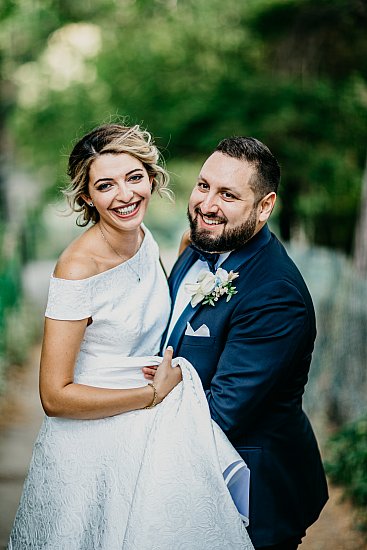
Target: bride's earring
91, 204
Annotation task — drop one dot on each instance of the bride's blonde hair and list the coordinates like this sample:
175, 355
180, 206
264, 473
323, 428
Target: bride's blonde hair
113, 139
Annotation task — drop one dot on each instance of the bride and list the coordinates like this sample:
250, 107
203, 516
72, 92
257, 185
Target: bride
119, 463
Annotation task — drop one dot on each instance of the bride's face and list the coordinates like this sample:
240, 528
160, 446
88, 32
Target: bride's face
120, 189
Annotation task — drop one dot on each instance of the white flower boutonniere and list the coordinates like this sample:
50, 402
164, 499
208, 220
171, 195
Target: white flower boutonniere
209, 287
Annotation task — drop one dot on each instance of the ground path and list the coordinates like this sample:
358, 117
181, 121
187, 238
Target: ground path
21, 415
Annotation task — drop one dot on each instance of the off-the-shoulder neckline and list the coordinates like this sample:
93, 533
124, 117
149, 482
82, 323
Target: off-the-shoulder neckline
124, 263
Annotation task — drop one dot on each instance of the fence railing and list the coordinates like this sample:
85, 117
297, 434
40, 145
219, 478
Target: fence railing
337, 385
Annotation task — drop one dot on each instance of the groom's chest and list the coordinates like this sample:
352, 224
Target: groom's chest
204, 337
203, 330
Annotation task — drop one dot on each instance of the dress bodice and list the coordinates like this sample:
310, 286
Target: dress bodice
129, 308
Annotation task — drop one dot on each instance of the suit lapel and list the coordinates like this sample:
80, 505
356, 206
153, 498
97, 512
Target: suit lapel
180, 326
185, 261
234, 261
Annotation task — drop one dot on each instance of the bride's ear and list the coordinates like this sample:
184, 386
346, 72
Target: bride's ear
87, 200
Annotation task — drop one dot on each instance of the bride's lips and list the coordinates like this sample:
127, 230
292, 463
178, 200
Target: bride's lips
127, 211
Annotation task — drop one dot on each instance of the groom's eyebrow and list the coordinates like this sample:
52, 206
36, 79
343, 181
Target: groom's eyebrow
222, 188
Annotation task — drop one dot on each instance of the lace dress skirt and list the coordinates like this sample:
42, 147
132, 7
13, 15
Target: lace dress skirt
144, 480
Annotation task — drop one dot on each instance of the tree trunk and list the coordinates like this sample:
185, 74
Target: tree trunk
360, 243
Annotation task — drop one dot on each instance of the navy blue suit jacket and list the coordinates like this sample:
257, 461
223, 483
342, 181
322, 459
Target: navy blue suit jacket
254, 367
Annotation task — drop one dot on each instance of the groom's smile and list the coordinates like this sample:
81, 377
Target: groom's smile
208, 221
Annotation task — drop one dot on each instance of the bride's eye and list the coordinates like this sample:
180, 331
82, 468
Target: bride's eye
104, 186
136, 178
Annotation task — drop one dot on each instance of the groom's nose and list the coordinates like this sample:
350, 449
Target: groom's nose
209, 204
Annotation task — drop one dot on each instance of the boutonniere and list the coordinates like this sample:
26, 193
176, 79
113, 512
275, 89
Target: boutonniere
209, 287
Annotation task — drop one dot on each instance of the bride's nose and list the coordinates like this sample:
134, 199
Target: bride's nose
124, 193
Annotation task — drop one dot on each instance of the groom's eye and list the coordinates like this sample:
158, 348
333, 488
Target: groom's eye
227, 195
202, 185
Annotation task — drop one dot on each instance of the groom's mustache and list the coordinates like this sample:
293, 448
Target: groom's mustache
210, 216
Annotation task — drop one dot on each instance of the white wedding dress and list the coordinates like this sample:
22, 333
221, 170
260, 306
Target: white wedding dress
143, 480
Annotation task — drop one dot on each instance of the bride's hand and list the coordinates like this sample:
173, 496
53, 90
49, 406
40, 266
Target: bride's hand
149, 372
166, 376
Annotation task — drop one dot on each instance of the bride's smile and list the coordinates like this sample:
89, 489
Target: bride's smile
127, 211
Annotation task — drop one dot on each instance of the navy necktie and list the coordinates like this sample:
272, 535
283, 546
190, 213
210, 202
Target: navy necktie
210, 258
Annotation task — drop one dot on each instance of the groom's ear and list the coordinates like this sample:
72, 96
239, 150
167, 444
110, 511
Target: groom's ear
266, 206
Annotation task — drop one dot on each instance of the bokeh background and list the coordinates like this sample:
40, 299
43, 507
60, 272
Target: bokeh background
292, 73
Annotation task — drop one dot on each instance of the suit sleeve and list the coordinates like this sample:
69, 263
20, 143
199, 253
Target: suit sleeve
269, 331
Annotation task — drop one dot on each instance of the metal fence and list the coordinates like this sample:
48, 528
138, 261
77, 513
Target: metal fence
337, 387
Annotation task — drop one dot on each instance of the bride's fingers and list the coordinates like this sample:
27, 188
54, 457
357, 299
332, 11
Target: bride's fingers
149, 372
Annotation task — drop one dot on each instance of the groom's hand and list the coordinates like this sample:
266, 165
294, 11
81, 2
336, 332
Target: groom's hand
149, 372
185, 242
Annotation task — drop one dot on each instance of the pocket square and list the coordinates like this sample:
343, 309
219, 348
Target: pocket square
201, 331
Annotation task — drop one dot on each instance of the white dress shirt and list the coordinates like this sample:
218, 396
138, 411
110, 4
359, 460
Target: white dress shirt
183, 297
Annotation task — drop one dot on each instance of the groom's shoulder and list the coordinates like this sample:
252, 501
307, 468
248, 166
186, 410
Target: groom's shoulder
277, 266
272, 262
277, 251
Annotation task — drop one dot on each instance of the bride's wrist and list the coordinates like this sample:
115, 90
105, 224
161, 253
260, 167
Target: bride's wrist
155, 397
160, 394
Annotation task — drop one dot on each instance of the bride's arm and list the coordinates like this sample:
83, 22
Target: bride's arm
61, 397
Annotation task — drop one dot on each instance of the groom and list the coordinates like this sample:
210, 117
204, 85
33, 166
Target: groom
253, 351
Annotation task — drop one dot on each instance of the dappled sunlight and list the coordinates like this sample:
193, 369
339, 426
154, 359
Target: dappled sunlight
64, 62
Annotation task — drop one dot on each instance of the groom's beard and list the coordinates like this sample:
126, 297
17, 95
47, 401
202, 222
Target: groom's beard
230, 239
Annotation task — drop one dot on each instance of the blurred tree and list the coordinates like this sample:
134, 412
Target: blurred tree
315, 43
360, 245
314, 38
196, 71
5, 14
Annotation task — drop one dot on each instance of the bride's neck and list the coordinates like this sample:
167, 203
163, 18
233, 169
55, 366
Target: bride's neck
123, 243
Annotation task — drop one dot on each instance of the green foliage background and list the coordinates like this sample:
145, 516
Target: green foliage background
290, 72
347, 464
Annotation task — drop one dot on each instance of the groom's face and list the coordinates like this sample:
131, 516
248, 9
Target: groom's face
222, 210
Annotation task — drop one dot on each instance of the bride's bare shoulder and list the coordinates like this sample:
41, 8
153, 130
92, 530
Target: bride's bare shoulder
77, 261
